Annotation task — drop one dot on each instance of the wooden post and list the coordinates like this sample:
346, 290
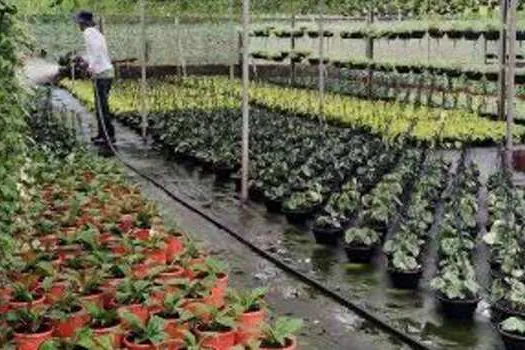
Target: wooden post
180, 51
245, 99
233, 37
143, 88
485, 50
321, 61
511, 26
370, 48
502, 60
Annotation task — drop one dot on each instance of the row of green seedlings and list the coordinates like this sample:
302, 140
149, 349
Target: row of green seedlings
505, 238
405, 250
380, 208
456, 284
370, 164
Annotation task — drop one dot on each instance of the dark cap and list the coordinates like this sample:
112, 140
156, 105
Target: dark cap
84, 17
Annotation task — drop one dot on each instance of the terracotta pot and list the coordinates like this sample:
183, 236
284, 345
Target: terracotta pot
109, 290
38, 303
96, 299
217, 341
128, 344
174, 248
142, 234
250, 326
173, 272
117, 249
67, 328
140, 271
106, 238
56, 291
156, 257
32, 341
67, 252
115, 332
139, 310
5, 297
173, 344
290, 345
174, 328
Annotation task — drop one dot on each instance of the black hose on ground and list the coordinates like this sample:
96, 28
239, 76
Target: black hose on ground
408, 340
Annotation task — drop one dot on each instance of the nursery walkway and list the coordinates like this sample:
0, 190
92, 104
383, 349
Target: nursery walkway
327, 324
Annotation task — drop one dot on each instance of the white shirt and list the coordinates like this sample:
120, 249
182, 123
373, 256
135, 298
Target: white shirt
97, 51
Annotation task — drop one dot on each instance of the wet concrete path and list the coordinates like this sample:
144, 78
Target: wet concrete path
328, 325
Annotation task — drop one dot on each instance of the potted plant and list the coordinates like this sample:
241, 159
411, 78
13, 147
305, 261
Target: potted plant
457, 288
273, 198
105, 323
31, 327
23, 296
176, 318
133, 296
84, 339
512, 331
217, 329
327, 229
508, 298
68, 315
301, 205
144, 335
88, 285
251, 310
403, 252
360, 244
280, 335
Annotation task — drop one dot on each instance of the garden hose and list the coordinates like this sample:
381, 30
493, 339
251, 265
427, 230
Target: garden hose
341, 300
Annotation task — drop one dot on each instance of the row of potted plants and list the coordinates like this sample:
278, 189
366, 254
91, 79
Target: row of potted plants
456, 286
404, 251
505, 239
93, 264
380, 208
381, 118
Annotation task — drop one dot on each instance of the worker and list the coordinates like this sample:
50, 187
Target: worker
101, 70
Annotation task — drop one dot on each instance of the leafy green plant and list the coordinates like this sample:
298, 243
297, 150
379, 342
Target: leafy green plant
150, 333
28, 321
279, 334
64, 307
172, 308
83, 339
362, 237
303, 200
101, 317
217, 320
456, 280
249, 300
131, 291
514, 325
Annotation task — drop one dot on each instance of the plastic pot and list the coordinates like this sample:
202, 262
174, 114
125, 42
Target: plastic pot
217, 340
299, 216
272, 205
156, 257
404, 279
491, 35
512, 341
359, 254
141, 270
49, 241
33, 341
130, 345
417, 34
520, 35
472, 35
142, 234
436, 33
291, 344
139, 310
172, 273
454, 34
115, 332
56, 291
458, 309
501, 310
68, 327
327, 236
249, 326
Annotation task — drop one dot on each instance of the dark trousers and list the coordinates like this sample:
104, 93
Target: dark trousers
102, 88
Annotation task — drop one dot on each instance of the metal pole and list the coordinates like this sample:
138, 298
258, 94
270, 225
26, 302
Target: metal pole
510, 79
370, 48
502, 60
182, 61
143, 87
232, 24
321, 60
293, 50
245, 100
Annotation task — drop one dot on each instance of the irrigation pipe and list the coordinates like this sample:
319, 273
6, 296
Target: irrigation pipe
362, 312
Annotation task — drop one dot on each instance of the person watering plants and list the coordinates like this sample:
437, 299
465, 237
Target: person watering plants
101, 70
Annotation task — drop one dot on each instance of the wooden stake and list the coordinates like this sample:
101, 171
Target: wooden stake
245, 100
143, 87
511, 23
